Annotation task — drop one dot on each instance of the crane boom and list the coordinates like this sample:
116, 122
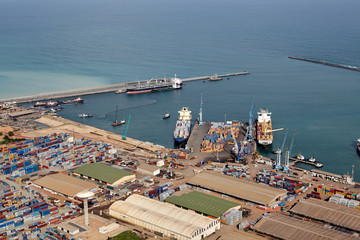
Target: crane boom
292, 143
284, 140
127, 127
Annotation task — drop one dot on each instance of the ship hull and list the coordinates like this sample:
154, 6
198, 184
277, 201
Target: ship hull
180, 140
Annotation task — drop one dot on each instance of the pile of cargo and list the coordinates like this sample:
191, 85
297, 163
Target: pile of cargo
28, 156
237, 172
20, 234
291, 185
163, 191
52, 234
216, 137
340, 197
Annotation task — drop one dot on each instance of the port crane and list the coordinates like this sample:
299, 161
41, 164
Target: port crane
250, 135
287, 154
127, 128
200, 113
279, 151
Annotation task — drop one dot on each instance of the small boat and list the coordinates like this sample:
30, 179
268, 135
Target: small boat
358, 145
215, 78
167, 115
120, 91
68, 101
116, 122
312, 159
319, 165
51, 104
79, 100
300, 157
40, 104
84, 115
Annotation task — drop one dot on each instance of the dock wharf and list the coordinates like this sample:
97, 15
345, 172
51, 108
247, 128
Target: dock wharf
100, 89
296, 160
327, 63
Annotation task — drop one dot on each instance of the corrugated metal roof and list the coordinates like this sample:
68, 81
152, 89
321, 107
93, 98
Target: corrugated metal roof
160, 214
102, 172
203, 203
64, 184
238, 188
285, 227
329, 212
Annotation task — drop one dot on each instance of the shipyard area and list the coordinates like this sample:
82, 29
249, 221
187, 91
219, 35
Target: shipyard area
61, 179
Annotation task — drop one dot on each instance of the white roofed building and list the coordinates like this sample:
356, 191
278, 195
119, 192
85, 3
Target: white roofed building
164, 218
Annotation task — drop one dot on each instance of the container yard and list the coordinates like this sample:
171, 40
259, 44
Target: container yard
219, 176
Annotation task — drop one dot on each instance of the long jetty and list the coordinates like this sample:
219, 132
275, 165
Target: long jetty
99, 89
327, 63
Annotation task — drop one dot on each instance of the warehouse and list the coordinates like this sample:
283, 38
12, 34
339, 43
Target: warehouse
106, 174
64, 184
329, 212
286, 227
164, 219
203, 203
147, 169
238, 188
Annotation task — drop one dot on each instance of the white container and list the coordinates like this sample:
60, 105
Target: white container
343, 202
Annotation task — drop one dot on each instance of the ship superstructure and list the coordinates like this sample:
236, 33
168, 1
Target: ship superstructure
183, 125
264, 128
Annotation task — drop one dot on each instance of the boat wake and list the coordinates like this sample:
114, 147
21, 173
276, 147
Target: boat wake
131, 107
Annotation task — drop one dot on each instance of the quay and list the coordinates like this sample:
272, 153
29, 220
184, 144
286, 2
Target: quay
326, 63
99, 89
295, 160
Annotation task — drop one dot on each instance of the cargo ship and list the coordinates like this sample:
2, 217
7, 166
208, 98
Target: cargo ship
155, 85
183, 125
264, 128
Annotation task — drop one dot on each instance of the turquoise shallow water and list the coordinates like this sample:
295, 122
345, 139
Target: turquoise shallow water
49, 46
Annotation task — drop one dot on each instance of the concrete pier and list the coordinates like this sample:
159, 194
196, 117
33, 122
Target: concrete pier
95, 90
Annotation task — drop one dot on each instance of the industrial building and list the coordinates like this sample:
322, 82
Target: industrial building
164, 219
203, 203
147, 169
106, 174
286, 227
329, 212
238, 188
66, 185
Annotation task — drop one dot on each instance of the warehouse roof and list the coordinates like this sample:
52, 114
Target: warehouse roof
286, 227
329, 212
203, 203
102, 172
21, 113
160, 214
238, 188
64, 184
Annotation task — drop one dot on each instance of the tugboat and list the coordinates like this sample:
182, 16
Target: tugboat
116, 122
167, 115
312, 159
84, 115
51, 104
79, 100
40, 104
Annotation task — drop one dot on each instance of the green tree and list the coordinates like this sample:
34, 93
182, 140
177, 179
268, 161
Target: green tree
11, 133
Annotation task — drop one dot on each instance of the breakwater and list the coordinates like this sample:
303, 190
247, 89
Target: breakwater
96, 90
327, 63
